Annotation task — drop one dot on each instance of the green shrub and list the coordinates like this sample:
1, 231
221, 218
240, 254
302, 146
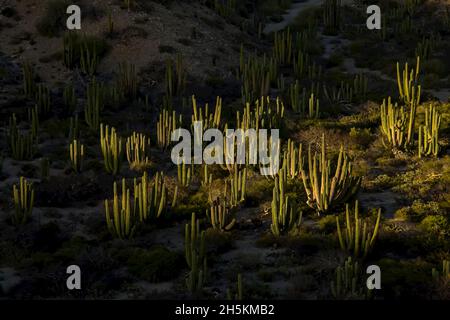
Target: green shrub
54, 19
156, 264
436, 225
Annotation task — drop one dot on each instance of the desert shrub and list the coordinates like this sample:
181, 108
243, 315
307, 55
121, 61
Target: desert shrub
54, 18
361, 137
218, 242
327, 224
156, 264
437, 226
418, 211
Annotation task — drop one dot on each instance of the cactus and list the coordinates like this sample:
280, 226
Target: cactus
360, 84
150, 199
220, 216
29, 81
195, 255
397, 125
22, 145
429, 133
301, 64
74, 128
332, 15
348, 283
127, 81
283, 48
239, 290
408, 87
94, 104
237, 186
313, 107
138, 148
297, 99
185, 174
33, 117
122, 222
166, 124
293, 159
358, 240
208, 119
323, 191
111, 146
76, 153
206, 177
89, 57
175, 77
285, 218
43, 99
23, 196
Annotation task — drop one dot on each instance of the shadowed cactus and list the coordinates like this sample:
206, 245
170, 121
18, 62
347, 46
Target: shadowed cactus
23, 197
111, 146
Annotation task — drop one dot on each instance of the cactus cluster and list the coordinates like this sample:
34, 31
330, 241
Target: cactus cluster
167, 123
356, 239
95, 96
429, 133
397, 125
119, 213
76, 153
220, 216
176, 76
111, 147
293, 159
127, 81
137, 149
286, 219
195, 254
444, 274
332, 15
324, 191
348, 283
185, 174
23, 145
408, 87
235, 186
23, 197
239, 290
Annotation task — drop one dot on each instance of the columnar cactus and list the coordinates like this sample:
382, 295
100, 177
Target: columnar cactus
23, 197
185, 174
313, 107
293, 159
332, 15
137, 149
89, 57
208, 118
206, 176
283, 48
76, 152
239, 290
127, 81
111, 146
444, 274
22, 145
94, 104
150, 199
33, 117
121, 223
407, 82
29, 81
397, 125
195, 254
220, 216
324, 191
176, 76
429, 133
166, 124
348, 283
357, 240
285, 218
237, 186
297, 98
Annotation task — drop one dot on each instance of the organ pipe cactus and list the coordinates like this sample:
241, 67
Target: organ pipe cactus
127, 81
23, 196
332, 15
239, 290
220, 217
76, 152
89, 57
283, 49
298, 98
293, 159
429, 133
69, 98
175, 76
94, 104
285, 218
208, 118
206, 176
119, 214
29, 81
397, 125
313, 107
185, 174
166, 124
324, 191
111, 146
407, 82
33, 117
43, 99
150, 199
137, 149
356, 239
237, 186
195, 254
348, 283
22, 145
